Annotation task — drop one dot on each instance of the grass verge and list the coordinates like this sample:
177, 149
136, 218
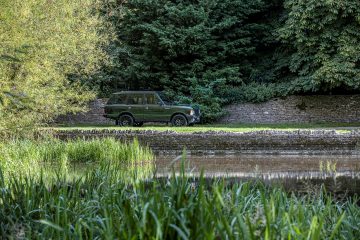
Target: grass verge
219, 127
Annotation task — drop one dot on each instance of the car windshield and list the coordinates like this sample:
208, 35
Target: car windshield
164, 98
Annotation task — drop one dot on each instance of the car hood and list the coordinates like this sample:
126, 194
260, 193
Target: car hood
176, 104
180, 106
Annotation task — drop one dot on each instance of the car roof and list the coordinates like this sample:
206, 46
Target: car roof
131, 92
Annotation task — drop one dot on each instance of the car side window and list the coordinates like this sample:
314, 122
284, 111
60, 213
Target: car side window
152, 99
135, 99
117, 99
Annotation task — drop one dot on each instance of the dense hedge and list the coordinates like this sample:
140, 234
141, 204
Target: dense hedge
214, 52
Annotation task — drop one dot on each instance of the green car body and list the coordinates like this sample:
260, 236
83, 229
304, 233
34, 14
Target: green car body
136, 107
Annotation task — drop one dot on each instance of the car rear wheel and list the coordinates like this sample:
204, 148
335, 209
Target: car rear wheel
126, 120
179, 120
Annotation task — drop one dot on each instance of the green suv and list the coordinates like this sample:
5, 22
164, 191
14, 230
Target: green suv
133, 108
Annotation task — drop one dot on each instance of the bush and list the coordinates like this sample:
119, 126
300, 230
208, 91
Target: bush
255, 92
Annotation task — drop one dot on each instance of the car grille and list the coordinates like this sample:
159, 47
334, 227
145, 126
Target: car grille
197, 111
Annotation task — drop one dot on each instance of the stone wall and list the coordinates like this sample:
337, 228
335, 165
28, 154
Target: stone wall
93, 116
270, 142
293, 109
297, 109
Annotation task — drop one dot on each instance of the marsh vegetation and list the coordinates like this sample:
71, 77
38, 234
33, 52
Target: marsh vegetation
120, 198
55, 157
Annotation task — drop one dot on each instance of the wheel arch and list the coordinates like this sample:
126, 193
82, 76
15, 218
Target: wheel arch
178, 113
126, 113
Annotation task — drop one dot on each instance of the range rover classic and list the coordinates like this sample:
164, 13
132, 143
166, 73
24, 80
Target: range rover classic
133, 108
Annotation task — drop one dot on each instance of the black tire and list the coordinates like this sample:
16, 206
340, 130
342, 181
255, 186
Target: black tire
126, 120
138, 124
179, 121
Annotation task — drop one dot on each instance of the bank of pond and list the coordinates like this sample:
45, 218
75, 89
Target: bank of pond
103, 189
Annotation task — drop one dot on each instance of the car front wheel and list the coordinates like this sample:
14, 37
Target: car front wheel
179, 121
126, 120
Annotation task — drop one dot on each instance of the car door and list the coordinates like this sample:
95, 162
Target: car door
116, 105
135, 106
155, 108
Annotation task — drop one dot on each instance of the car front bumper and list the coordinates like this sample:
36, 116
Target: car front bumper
193, 119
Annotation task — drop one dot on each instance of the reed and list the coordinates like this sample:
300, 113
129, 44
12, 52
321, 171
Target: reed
102, 206
22, 157
118, 199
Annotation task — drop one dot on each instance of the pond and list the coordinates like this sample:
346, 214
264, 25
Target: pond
338, 173
300, 173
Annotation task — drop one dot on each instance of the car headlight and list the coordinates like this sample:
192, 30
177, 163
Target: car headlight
192, 112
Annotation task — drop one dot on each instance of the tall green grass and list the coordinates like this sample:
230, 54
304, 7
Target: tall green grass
21, 157
101, 206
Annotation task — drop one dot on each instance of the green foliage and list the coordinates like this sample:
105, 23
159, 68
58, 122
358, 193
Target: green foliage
212, 52
325, 40
190, 49
99, 206
43, 43
255, 92
205, 52
216, 52
28, 156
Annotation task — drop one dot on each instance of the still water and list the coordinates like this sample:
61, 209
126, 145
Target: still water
337, 173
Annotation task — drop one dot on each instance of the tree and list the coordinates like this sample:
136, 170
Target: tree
42, 44
190, 49
324, 39
215, 52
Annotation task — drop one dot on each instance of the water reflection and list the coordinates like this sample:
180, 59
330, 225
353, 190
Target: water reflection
263, 165
337, 173
126, 172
